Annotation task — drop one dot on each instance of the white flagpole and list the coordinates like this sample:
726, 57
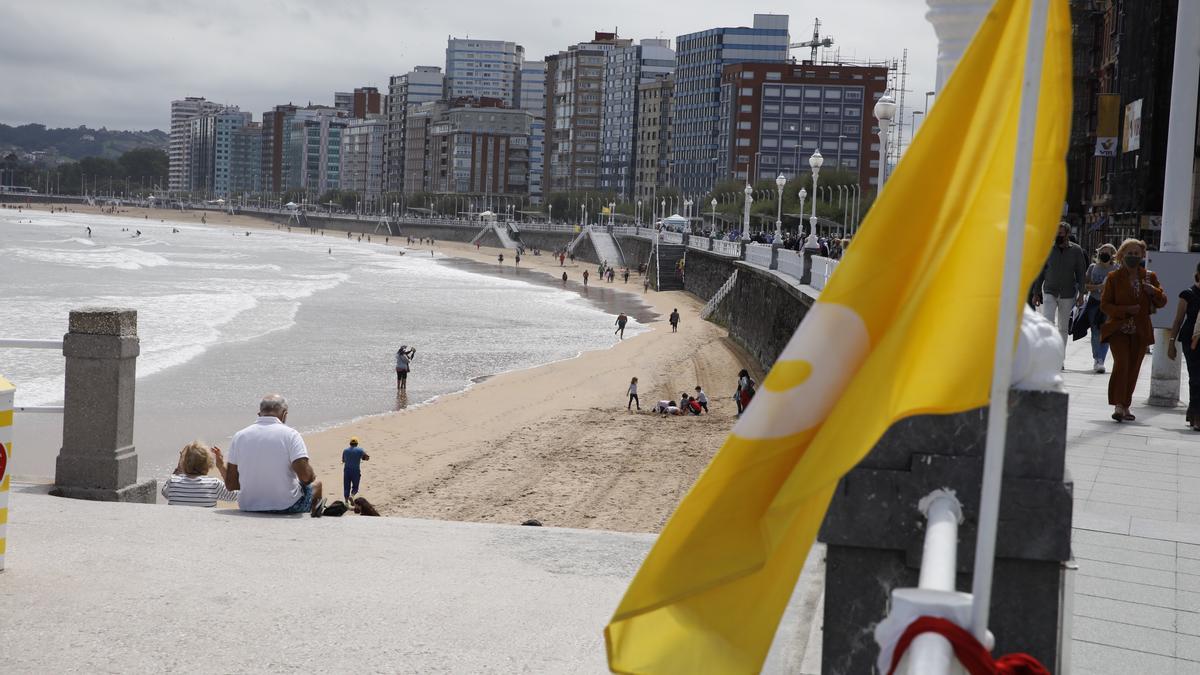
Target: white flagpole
1010, 294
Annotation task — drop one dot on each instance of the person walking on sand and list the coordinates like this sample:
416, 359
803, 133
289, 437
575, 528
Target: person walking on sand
633, 397
646, 285
562, 257
268, 465
675, 320
564, 278
351, 468
500, 258
621, 321
1130, 292
585, 278
745, 391
625, 274
404, 357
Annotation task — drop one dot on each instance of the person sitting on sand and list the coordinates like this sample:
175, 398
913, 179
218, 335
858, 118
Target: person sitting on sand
693, 406
268, 463
191, 485
351, 469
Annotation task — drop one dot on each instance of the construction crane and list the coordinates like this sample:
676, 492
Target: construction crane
815, 42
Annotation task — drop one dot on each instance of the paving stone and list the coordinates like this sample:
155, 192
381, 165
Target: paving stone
1121, 556
1138, 614
1124, 635
1125, 542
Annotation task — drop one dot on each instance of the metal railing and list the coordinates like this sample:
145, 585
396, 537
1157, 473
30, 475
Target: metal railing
711, 305
822, 269
725, 247
670, 237
790, 262
758, 254
17, 343
699, 243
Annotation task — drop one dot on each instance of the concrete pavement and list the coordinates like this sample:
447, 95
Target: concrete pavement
1136, 529
110, 587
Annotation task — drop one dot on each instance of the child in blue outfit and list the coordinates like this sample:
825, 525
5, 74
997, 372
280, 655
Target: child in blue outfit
351, 472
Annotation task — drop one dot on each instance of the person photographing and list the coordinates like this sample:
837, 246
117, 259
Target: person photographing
404, 357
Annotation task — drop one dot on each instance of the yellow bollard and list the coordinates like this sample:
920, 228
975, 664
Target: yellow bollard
6, 419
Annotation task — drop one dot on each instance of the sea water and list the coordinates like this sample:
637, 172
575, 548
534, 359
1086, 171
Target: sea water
225, 317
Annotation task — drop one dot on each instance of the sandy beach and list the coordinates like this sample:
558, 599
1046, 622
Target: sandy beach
553, 443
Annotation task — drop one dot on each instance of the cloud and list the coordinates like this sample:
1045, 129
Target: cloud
119, 63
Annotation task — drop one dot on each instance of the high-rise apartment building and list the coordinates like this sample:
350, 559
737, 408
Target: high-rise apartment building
178, 160
210, 150
533, 99
343, 102
469, 146
359, 103
421, 85
275, 125
625, 69
574, 113
653, 168
362, 158
313, 150
484, 69
245, 165
774, 116
701, 58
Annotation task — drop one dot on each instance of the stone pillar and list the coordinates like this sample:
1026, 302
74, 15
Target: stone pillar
774, 256
874, 532
98, 460
807, 255
1177, 184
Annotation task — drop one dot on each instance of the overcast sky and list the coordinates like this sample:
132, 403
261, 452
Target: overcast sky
119, 63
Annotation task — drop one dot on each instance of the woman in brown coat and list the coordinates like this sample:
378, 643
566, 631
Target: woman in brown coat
1130, 294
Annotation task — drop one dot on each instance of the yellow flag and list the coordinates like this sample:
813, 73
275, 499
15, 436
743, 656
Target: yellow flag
906, 326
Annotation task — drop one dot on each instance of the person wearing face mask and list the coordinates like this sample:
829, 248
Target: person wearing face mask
1183, 329
1061, 284
1130, 293
1094, 318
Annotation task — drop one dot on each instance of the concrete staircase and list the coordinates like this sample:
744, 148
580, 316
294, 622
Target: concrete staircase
606, 248
503, 235
666, 260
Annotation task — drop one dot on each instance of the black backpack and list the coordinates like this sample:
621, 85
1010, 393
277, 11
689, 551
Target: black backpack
336, 509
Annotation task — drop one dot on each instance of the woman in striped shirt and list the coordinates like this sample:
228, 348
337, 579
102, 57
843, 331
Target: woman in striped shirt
191, 485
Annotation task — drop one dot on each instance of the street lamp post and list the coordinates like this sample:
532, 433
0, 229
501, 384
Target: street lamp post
749, 191
885, 112
713, 227
780, 181
815, 162
550, 217
638, 217
803, 194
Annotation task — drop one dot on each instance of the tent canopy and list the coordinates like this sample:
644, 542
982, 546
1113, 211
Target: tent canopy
675, 219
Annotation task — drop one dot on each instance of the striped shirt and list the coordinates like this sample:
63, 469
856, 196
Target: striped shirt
183, 490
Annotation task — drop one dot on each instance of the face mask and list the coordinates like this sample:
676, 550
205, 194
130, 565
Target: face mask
1133, 261
1105, 257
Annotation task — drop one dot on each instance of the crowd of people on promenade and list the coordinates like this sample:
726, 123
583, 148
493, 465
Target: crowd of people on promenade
1111, 295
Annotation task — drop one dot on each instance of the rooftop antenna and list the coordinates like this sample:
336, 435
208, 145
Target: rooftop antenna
815, 42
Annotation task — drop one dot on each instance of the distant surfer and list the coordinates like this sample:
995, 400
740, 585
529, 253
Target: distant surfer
89, 231
404, 357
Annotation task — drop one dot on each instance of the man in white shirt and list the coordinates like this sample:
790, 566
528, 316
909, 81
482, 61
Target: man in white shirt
268, 463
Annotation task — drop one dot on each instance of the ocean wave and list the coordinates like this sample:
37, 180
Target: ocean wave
104, 256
